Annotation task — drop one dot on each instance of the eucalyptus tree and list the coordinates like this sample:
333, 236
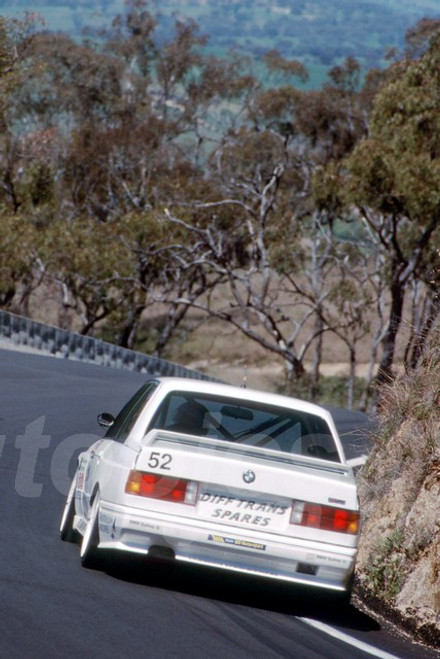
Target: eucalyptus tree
91, 151
19, 235
393, 186
256, 227
150, 156
19, 240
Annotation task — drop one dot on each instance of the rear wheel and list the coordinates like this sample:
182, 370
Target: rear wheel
344, 598
67, 532
89, 547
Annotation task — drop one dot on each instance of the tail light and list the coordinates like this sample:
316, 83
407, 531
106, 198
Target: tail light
326, 518
165, 488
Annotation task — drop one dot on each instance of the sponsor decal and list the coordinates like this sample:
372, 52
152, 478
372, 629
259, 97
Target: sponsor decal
241, 518
106, 523
327, 558
105, 519
237, 542
243, 504
243, 511
340, 502
144, 525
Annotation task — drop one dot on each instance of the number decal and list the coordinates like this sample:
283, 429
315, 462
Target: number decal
159, 460
166, 461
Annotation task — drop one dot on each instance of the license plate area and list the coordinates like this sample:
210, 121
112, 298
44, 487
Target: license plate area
257, 513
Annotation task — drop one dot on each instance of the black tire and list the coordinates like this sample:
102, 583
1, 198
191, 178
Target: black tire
343, 599
67, 532
89, 547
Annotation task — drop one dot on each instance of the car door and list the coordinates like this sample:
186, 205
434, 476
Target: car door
88, 462
93, 463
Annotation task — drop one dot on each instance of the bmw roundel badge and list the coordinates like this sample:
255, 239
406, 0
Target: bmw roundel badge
248, 476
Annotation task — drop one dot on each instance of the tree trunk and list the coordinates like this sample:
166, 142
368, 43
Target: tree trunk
389, 341
351, 379
174, 319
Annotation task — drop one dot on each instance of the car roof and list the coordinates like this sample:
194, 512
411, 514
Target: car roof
240, 393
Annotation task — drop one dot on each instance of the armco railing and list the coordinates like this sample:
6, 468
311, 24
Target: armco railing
54, 341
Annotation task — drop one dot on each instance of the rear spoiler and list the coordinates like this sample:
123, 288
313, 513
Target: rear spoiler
357, 462
244, 450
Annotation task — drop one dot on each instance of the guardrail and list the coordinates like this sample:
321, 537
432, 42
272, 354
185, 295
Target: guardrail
22, 331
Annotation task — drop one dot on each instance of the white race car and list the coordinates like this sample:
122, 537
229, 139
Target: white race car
221, 476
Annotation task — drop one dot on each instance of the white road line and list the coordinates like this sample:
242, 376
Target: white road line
369, 649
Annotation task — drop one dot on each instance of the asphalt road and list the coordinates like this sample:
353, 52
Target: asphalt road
52, 607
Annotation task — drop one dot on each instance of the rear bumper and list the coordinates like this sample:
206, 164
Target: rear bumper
231, 548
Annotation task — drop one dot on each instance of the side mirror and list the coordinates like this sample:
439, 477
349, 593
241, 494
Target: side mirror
106, 420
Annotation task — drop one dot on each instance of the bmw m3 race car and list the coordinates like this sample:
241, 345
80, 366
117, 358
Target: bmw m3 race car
221, 476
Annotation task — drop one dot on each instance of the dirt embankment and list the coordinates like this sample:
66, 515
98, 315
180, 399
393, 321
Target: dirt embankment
399, 558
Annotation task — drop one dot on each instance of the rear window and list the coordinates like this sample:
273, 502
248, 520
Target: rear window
254, 424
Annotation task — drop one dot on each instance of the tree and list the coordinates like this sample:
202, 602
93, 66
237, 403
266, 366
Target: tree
19, 239
280, 269
88, 267
145, 172
252, 226
18, 236
393, 183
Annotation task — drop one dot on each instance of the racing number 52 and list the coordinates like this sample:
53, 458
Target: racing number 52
159, 460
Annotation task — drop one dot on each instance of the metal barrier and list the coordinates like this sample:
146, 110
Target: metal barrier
22, 331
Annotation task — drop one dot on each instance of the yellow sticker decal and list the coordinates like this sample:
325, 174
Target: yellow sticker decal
248, 544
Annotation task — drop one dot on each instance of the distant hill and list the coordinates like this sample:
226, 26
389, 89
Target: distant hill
318, 33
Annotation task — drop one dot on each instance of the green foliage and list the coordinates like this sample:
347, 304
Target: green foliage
286, 251
19, 240
385, 571
267, 146
38, 186
398, 168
